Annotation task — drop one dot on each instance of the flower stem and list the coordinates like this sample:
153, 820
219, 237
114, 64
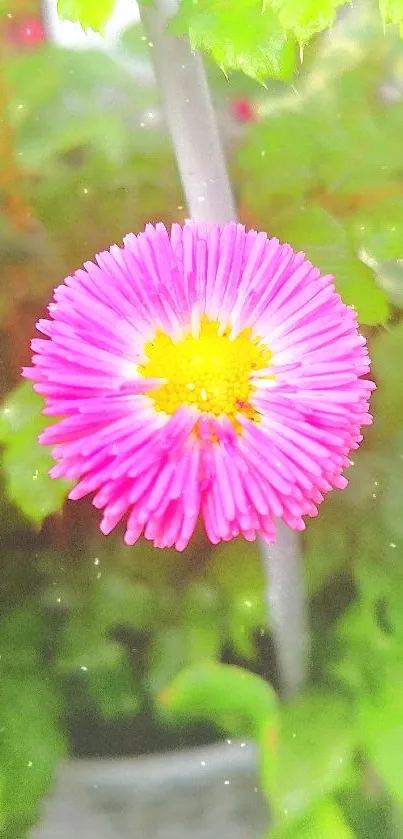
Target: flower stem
283, 566
191, 119
205, 181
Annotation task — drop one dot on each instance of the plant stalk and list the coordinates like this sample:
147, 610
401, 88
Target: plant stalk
200, 159
284, 571
190, 116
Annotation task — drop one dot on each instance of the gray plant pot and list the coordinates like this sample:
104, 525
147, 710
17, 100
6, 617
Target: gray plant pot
205, 793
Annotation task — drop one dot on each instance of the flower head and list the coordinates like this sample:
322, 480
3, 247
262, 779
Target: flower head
209, 372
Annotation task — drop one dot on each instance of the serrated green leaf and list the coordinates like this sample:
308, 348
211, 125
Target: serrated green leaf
25, 463
239, 35
305, 18
392, 12
91, 14
233, 699
313, 754
325, 242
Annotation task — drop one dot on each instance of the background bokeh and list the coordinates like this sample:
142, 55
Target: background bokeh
91, 631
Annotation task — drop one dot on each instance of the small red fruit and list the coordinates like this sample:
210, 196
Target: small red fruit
242, 110
24, 31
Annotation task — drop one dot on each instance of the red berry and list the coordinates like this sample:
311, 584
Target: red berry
24, 31
242, 110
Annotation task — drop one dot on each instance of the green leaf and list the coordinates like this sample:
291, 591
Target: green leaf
381, 727
392, 12
305, 18
248, 614
320, 563
31, 745
326, 821
290, 166
387, 400
389, 274
379, 229
313, 755
134, 40
25, 463
119, 602
343, 121
21, 637
235, 568
22, 407
239, 35
365, 649
236, 565
391, 497
110, 683
326, 244
233, 699
166, 657
202, 620
92, 14
103, 672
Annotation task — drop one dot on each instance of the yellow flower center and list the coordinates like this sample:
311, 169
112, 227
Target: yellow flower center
210, 372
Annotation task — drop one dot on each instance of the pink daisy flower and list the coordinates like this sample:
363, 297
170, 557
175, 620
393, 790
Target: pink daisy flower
207, 372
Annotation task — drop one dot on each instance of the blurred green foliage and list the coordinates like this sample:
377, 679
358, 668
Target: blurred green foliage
104, 647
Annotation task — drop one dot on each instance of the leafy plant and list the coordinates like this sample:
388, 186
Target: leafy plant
96, 637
